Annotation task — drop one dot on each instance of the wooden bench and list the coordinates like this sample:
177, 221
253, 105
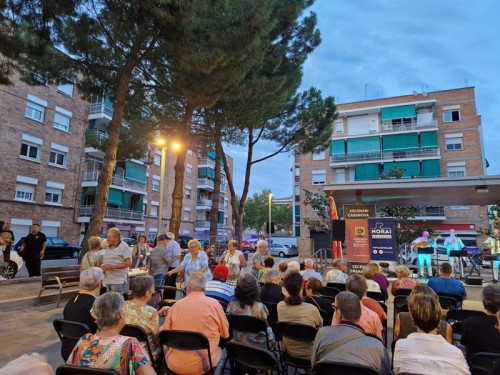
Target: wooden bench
59, 277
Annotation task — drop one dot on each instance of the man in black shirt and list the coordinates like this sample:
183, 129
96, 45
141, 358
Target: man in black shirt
34, 246
8, 239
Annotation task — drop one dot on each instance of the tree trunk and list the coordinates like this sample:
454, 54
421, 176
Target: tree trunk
214, 212
178, 193
106, 175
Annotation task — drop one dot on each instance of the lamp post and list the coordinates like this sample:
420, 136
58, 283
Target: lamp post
269, 222
163, 144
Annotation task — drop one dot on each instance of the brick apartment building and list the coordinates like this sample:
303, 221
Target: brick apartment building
435, 134
50, 174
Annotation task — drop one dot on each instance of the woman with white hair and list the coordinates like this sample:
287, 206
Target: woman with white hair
78, 307
107, 349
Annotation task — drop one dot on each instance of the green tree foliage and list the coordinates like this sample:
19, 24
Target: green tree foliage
320, 203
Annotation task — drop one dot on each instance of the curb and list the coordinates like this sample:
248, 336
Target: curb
20, 303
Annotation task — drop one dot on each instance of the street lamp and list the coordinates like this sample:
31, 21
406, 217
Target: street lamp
270, 196
163, 144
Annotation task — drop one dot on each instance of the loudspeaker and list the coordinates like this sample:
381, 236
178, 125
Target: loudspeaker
473, 280
338, 230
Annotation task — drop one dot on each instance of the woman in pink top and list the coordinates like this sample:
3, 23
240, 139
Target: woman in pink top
403, 281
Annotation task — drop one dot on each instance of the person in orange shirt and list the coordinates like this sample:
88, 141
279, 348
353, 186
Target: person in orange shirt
197, 313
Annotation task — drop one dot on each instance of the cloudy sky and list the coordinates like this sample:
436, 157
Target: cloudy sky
396, 47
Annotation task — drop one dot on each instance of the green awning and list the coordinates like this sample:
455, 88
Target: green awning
221, 217
297, 210
297, 231
206, 172
84, 195
366, 172
135, 172
141, 203
400, 142
115, 197
337, 147
363, 145
429, 140
403, 111
431, 168
125, 200
412, 168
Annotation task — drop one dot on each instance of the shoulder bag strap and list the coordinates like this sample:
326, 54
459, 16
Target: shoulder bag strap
337, 344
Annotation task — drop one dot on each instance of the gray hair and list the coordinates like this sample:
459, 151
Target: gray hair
293, 266
196, 281
491, 298
90, 278
115, 232
261, 244
234, 271
349, 305
107, 309
33, 364
269, 275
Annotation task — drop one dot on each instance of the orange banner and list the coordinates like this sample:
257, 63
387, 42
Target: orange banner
357, 240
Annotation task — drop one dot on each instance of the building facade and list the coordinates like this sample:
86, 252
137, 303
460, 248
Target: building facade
435, 134
50, 173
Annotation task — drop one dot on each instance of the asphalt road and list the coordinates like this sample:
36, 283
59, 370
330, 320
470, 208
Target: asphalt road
23, 272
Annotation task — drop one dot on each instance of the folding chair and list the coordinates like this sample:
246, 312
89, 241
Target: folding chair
140, 334
159, 302
329, 292
251, 356
462, 314
297, 332
250, 324
447, 300
482, 363
186, 340
400, 304
69, 332
339, 286
334, 367
402, 292
75, 370
377, 296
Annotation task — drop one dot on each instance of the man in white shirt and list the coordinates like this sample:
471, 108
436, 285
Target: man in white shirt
310, 272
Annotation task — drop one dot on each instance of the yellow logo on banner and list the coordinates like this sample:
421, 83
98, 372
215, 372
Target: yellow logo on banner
359, 231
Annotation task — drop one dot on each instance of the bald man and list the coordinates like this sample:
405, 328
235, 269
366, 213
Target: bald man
310, 272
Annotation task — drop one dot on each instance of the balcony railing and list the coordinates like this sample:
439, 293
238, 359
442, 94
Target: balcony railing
435, 211
204, 202
206, 161
388, 127
100, 134
206, 182
115, 213
222, 206
101, 107
223, 187
116, 180
203, 224
383, 156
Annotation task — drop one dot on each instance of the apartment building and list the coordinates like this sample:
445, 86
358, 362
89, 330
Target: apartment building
435, 134
50, 173
41, 147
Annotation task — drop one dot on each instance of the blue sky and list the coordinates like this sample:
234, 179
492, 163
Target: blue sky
396, 47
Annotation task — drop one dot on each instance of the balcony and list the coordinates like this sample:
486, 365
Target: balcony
202, 225
413, 125
206, 161
115, 213
223, 187
436, 213
101, 107
222, 206
375, 156
206, 183
203, 204
117, 180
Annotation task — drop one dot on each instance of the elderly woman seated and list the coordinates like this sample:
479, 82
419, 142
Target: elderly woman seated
246, 302
271, 291
313, 291
78, 307
403, 281
107, 349
426, 352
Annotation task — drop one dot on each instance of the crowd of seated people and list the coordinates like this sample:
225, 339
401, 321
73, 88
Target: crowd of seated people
423, 346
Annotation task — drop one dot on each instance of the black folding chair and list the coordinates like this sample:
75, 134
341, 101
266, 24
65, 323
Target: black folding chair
402, 292
482, 363
272, 318
462, 314
448, 300
69, 333
250, 324
384, 323
339, 286
334, 367
329, 292
400, 304
186, 340
75, 370
377, 296
327, 318
251, 356
297, 332
140, 334
167, 301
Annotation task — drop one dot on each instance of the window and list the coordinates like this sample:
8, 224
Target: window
66, 89
62, 119
57, 158
450, 116
53, 196
340, 176
185, 216
297, 170
30, 151
25, 193
318, 155
318, 177
156, 183
187, 193
35, 111
297, 189
460, 207
339, 127
190, 152
189, 170
456, 171
157, 160
154, 211
454, 144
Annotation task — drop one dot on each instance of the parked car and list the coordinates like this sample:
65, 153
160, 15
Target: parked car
15, 264
130, 241
282, 251
183, 241
56, 248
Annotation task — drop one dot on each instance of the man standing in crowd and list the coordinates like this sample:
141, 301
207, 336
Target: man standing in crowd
453, 243
198, 313
174, 254
34, 249
493, 244
347, 342
115, 262
259, 256
310, 272
445, 284
159, 260
8, 239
